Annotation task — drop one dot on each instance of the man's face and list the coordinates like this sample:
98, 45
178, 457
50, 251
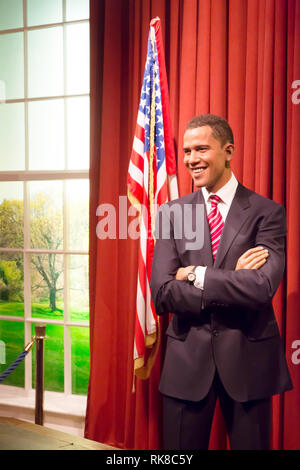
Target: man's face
205, 158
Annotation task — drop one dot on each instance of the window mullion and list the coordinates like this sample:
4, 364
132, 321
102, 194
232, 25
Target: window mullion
35, 27
27, 286
67, 361
26, 208
67, 331
36, 175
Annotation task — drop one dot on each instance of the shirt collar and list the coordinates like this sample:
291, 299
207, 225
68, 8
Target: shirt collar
226, 193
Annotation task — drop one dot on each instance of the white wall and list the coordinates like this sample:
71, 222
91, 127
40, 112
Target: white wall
62, 412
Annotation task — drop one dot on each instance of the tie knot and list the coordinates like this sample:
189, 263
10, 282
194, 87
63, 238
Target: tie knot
214, 200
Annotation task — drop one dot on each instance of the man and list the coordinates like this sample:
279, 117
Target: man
223, 339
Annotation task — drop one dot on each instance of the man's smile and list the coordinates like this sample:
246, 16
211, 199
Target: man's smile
199, 169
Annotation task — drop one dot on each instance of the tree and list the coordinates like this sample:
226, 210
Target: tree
45, 233
50, 270
11, 224
11, 266
45, 223
11, 281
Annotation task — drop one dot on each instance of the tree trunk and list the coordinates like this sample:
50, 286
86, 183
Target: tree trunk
52, 298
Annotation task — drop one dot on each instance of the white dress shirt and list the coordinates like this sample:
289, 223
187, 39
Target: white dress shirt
226, 194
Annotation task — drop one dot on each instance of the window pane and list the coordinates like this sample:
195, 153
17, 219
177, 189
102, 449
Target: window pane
80, 358
77, 10
45, 77
78, 132
43, 12
53, 360
12, 65
11, 14
11, 214
2, 91
46, 220
79, 288
47, 286
12, 284
78, 75
12, 137
12, 344
78, 214
46, 135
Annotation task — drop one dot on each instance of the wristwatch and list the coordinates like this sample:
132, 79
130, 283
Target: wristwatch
191, 277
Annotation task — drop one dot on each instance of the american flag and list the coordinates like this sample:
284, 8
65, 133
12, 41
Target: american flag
152, 161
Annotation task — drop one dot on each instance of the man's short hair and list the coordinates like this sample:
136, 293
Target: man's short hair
221, 130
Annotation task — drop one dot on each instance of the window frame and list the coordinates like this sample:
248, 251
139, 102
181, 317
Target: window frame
26, 176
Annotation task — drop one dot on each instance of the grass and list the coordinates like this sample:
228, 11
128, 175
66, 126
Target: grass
42, 310
12, 309
12, 334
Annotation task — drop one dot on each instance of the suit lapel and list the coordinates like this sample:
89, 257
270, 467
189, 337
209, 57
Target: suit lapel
235, 219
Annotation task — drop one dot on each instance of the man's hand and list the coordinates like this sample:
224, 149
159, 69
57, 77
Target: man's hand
182, 273
253, 258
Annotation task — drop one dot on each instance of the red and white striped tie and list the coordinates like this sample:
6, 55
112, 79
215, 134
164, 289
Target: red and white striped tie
216, 223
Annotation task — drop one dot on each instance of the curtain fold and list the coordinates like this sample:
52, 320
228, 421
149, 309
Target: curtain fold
236, 58
291, 402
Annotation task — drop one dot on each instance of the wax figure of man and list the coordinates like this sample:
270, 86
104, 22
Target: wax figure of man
223, 339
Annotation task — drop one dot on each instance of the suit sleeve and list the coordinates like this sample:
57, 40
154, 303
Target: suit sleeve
246, 287
168, 294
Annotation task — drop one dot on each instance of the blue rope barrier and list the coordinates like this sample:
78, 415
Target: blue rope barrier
18, 361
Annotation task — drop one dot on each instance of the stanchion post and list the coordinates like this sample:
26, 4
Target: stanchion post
40, 331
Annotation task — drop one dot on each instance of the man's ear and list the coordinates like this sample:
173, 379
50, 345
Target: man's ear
229, 149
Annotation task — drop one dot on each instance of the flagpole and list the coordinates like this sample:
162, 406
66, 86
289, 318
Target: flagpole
151, 182
152, 129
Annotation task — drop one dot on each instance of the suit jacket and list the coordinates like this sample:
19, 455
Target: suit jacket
230, 325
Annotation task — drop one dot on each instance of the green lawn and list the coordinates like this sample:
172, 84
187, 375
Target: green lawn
12, 334
12, 308
42, 310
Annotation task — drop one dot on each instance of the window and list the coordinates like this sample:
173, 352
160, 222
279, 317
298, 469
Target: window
44, 189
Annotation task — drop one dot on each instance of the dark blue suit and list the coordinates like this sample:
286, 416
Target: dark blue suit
229, 327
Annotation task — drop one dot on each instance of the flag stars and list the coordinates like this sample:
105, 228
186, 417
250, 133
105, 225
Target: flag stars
159, 118
151, 85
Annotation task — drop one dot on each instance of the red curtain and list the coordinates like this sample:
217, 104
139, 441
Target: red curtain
235, 58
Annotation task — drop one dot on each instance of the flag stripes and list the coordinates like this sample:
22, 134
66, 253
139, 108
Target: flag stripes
149, 166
